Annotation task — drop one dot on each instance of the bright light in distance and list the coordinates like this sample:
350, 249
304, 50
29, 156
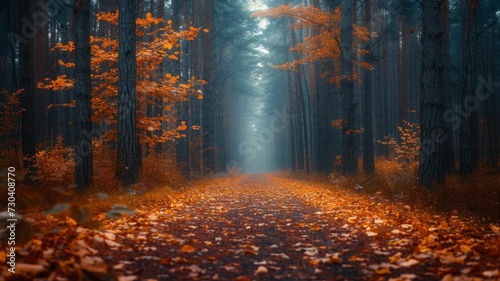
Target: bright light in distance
256, 5
263, 23
261, 49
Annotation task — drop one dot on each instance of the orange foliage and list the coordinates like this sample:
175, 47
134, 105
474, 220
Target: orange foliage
324, 44
155, 90
58, 84
407, 148
10, 111
10, 116
55, 164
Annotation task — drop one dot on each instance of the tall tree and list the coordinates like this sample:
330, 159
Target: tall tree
83, 86
431, 168
183, 152
196, 144
127, 167
208, 102
469, 122
368, 162
449, 159
349, 157
27, 82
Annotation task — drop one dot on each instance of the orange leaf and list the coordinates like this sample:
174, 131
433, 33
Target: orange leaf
187, 249
383, 270
166, 261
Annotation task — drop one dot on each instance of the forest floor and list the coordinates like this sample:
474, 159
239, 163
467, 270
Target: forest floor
256, 227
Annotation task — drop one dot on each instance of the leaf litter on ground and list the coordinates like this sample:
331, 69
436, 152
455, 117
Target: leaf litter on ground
257, 228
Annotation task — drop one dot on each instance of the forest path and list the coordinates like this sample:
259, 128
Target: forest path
254, 227
270, 228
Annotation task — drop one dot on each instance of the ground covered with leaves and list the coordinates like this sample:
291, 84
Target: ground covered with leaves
258, 228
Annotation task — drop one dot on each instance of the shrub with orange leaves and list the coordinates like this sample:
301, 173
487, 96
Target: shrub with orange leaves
160, 170
408, 146
324, 45
55, 165
156, 91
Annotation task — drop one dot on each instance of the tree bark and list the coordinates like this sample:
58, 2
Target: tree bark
127, 168
431, 168
449, 155
349, 158
195, 104
185, 151
83, 149
208, 103
27, 30
368, 161
469, 124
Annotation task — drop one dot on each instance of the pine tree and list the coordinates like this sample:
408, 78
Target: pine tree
127, 168
83, 85
431, 167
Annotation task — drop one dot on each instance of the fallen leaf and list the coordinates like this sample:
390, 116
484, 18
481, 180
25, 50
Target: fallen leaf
408, 263
491, 273
29, 269
94, 265
261, 270
383, 270
187, 249
311, 251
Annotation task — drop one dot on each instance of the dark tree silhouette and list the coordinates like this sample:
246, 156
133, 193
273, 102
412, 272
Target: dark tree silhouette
127, 168
431, 122
83, 149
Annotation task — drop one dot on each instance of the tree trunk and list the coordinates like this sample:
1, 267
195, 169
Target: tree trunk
449, 155
368, 161
492, 133
431, 121
469, 124
127, 168
182, 148
27, 30
302, 126
83, 149
195, 104
405, 67
208, 103
349, 157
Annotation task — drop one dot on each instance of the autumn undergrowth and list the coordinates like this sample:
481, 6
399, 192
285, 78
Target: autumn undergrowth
159, 176
478, 196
